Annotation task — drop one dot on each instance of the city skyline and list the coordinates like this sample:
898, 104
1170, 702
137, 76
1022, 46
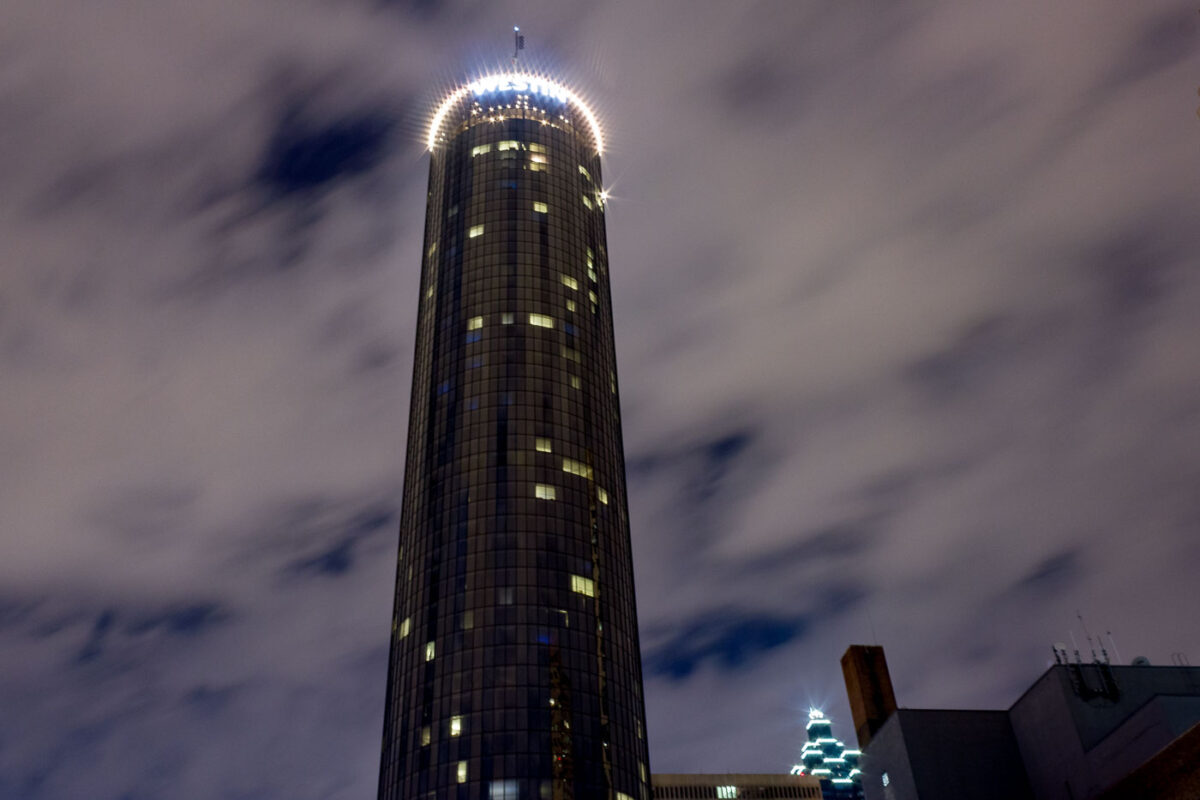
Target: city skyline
904, 304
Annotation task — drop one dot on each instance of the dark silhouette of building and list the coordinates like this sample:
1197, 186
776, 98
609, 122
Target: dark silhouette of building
514, 669
869, 685
1082, 731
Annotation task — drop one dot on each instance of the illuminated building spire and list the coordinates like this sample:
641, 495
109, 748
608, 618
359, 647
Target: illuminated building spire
827, 759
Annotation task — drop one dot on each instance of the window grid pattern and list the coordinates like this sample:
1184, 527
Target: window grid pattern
540, 681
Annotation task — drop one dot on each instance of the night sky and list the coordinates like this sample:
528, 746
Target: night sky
908, 325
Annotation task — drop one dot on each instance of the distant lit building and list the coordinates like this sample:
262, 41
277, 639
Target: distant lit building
729, 786
827, 759
1082, 731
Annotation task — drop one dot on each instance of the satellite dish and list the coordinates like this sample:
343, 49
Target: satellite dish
1140, 661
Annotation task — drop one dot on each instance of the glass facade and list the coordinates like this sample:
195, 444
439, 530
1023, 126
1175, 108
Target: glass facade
514, 669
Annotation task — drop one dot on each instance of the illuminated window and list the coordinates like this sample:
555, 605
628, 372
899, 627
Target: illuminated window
623, 796
536, 147
475, 230
430, 650
601, 495
426, 735
536, 159
474, 323
508, 145
591, 256
726, 792
570, 305
462, 772
593, 297
405, 627
641, 764
582, 585
504, 790
584, 172
455, 726
480, 150
540, 208
591, 275
569, 282
541, 321
587, 201
575, 382
543, 445
577, 468
536, 166
468, 620
543, 492
506, 318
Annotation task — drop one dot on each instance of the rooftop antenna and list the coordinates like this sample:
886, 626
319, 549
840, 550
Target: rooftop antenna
1088, 635
1113, 642
518, 43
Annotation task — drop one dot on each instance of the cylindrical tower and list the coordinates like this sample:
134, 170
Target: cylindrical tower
514, 668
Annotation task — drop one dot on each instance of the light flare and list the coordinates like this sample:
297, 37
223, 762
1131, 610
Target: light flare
518, 82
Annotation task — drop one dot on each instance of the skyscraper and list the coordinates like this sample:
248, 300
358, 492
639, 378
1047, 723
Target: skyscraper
514, 669
827, 759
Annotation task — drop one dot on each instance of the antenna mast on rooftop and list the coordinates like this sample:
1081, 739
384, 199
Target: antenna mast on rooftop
518, 43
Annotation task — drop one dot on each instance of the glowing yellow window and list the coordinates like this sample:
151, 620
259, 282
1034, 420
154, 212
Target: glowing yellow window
577, 468
508, 145
540, 208
601, 495
405, 627
583, 171
537, 159
585, 586
591, 275
587, 201
455, 726
426, 735
575, 382
506, 318
536, 147
475, 230
474, 323
462, 772
570, 305
593, 297
543, 492
543, 445
430, 651
480, 150
541, 321
468, 620
569, 282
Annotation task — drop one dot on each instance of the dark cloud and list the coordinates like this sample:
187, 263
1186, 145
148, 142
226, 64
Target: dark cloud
1160, 42
1053, 574
304, 155
729, 640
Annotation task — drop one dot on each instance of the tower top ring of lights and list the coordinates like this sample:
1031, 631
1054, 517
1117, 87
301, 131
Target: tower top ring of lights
522, 82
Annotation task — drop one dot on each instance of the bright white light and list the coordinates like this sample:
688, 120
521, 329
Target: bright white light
514, 82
